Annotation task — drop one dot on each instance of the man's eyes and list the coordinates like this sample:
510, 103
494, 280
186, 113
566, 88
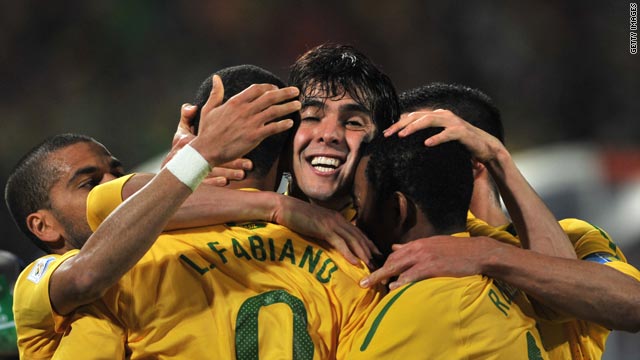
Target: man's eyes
310, 118
354, 123
89, 183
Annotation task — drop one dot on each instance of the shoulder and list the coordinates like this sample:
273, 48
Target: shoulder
588, 239
39, 271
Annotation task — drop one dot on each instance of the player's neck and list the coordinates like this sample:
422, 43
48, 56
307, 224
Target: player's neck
265, 183
485, 206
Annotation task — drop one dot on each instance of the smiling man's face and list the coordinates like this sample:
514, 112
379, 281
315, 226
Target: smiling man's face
325, 148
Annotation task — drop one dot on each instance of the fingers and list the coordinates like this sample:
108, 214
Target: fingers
357, 243
404, 278
244, 164
341, 245
215, 96
380, 276
216, 181
280, 110
405, 120
264, 95
276, 96
399, 263
447, 134
366, 248
187, 114
229, 174
274, 128
423, 120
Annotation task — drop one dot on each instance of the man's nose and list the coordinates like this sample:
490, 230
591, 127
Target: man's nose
331, 131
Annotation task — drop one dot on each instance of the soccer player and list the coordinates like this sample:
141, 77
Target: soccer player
607, 296
239, 290
46, 195
346, 100
405, 191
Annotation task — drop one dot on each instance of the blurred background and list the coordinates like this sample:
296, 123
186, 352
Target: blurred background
562, 74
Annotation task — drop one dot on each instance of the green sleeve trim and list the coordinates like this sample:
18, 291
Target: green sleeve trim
378, 319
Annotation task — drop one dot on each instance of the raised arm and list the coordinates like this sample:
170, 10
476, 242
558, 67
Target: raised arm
120, 241
573, 287
537, 227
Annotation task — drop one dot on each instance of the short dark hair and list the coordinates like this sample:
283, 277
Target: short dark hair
336, 70
471, 104
438, 179
235, 79
31, 180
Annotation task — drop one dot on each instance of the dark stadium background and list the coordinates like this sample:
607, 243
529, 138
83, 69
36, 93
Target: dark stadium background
562, 75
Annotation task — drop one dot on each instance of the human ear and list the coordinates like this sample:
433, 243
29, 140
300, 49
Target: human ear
43, 225
405, 211
479, 169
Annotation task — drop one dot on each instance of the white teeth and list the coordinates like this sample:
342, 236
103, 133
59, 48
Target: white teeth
323, 169
324, 163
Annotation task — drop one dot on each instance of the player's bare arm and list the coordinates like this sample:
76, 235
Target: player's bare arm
119, 242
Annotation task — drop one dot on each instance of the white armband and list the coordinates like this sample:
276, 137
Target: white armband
189, 167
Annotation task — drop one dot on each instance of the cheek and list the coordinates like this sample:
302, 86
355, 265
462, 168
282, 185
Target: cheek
301, 139
354, 140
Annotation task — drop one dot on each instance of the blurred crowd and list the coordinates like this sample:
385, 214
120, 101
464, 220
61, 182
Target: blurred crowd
119, 70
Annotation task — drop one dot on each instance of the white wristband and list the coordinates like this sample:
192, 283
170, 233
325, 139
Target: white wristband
189, 167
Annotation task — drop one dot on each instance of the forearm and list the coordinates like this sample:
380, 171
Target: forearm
581, 289
537, 227
84, 278
216, 205
204, 206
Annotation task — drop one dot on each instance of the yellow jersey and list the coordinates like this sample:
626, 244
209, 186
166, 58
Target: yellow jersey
472, 317
246, 291
572, 339
579, 339
38, 327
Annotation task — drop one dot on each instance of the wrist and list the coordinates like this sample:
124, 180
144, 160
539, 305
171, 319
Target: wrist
189, 167
275, 206
495, 262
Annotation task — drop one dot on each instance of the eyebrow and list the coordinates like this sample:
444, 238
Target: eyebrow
312, 103
347, 107
355, 107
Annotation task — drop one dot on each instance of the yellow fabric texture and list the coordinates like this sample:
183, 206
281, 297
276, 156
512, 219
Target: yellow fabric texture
473, 317
99, 207
38, 326
573, 339
250, 290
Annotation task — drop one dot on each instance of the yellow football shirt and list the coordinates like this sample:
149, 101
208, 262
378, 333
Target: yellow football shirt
38, 326
579, 339
472, 317
573, 339
246, 291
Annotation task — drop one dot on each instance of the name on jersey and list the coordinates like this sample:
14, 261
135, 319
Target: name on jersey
260, 250
507, 294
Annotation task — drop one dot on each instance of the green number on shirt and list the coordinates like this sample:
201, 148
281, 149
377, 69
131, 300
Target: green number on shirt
247, 325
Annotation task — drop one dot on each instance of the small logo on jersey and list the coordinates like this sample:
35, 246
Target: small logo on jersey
600, 257
39, 269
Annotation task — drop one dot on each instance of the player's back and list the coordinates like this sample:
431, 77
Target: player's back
245, 291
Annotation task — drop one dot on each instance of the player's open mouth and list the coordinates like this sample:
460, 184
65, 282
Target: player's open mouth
324, 164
